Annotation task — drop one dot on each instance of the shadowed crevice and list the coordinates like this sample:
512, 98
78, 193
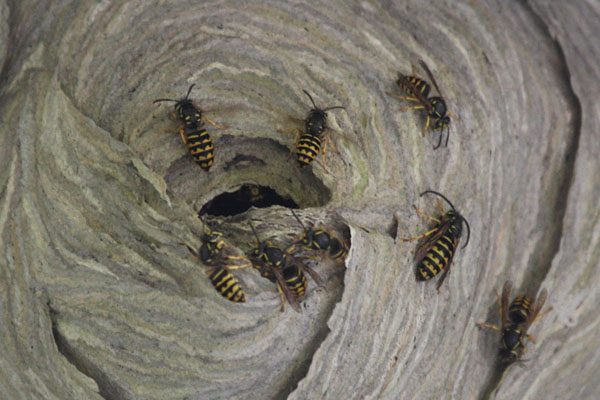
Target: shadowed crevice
547, 248
249, 195
545, 252
311, 347
107, 389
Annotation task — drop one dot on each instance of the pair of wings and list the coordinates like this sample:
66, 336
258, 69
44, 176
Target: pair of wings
537, 306
280, 281
422, 251
422, 99
441, 229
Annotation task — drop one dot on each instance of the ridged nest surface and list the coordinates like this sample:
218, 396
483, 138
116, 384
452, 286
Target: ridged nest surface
99, 299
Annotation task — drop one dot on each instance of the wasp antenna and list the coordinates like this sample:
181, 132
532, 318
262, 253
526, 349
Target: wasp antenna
439, 141
311, 99
334, 107
468, 232
442, 196
254, 231
189, 91
447, 136
298, 219
158, 100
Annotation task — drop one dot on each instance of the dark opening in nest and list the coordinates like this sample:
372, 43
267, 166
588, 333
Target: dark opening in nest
249, 195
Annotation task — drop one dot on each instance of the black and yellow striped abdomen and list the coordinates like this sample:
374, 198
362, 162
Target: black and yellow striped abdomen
520, 309
338, 250
308, 149
295, 280
437, 258
418, 84
201, 146
227, 285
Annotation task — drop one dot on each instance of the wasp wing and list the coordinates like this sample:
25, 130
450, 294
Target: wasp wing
423, 249
448, 265
313, 274
286, 291
428, 71
416, 93
539, 303
504, 303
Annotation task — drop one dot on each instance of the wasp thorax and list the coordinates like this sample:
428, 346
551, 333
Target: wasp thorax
439, 106
274, 255
321, 240
316, 122
511, 336
206, 253
456, 219
188, 114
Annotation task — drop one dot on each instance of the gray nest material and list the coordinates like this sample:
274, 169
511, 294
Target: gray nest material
98, 300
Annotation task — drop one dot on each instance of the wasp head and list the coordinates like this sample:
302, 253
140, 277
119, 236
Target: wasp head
441, 122
316, 122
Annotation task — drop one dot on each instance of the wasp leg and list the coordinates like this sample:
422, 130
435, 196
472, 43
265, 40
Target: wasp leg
426, 125
541, 315
281, 297
182, 133
418, 107
440, 205
210, 270
236, 257
420, 236
192, 251
213, 123
423, 215
240, 266
481, 325
293, 117
452, 115
530, 338
318, 258
291, 248
325, 137
439, 141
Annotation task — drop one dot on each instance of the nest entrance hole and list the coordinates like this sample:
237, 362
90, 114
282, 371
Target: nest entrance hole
248, 195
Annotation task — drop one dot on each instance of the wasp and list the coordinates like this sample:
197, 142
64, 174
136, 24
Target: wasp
255, 193
197, 139
437, 252
285, 270
320, 239
516, 320
308, 143
438, 115
212, 253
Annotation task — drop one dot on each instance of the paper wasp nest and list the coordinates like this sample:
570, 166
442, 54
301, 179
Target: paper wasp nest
98, 298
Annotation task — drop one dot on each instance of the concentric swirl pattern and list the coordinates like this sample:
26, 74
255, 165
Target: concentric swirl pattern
99, 299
